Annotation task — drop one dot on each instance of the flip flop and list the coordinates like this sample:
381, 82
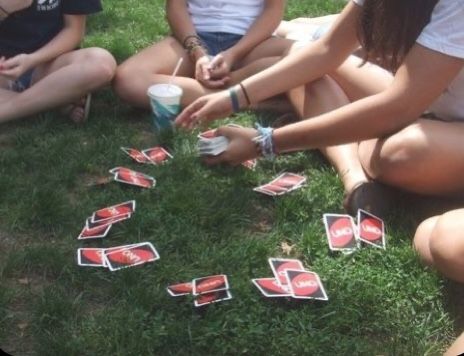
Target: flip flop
372, 197
84, 104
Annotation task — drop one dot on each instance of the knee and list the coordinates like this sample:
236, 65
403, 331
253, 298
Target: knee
390, 160
447, 246
101, 64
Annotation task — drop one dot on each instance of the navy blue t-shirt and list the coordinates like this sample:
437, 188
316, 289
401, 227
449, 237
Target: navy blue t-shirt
30, 29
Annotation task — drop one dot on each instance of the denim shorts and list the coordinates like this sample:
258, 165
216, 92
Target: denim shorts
22, 83
217, 42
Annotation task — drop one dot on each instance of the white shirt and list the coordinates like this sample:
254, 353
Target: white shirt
445, 34
233, 16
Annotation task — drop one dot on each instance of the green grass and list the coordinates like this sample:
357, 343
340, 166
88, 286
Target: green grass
203, 221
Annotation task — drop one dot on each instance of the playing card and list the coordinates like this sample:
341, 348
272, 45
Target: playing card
212, 146
137, 180
371, 229
176, 290
283, 184
113, 211
136, 155
210, 284
92, 224
157, 155
341, 232
305, 285
126, 170
92, 257
279, 265
270, 288
117, 259
95, 233
207, 134
250, 164
213, 297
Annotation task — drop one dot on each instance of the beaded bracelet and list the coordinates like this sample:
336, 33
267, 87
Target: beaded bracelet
265, 142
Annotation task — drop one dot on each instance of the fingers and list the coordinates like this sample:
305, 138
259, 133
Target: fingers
187, 115
216, 83
225, 131
205, 72
217, 61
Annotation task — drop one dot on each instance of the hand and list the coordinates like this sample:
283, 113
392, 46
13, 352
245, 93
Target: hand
203, 74
221, 66
205, 109
241, 146
16, 66
12, 6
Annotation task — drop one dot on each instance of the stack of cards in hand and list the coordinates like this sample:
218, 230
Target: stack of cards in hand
207, 290
155, 155
128, 176
283, 184
343, 235
291, 280
118, 257
99, 224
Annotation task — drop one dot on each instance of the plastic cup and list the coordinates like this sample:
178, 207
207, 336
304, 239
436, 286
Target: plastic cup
165, 104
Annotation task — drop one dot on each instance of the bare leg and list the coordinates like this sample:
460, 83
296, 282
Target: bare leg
425, 158
457, 348
70, 76
439, 242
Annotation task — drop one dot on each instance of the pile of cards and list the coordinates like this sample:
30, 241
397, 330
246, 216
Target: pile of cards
155, 155
206, 290
291, 280
283, 184
343, 235
128, 176
118, 257
99, 224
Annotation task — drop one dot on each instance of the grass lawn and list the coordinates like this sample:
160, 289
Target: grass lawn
202, 221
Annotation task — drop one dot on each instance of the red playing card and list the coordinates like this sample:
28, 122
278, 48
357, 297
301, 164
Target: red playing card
279, 265
122, 209
92, 224
270, 288
290, 181
157, 155
371, 229
213, 297
176, 290
128, 171
136, 155
207, 134
95, 233
92, 257
135, 179
130, 256
305, 285
210, 284
341, 232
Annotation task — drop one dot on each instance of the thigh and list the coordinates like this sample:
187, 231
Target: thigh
426, 157
361, 81
160, 58
271, 47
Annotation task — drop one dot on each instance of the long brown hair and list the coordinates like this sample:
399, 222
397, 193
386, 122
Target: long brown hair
389, 28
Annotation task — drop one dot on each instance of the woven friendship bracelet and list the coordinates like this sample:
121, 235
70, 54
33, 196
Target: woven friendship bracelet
265, 142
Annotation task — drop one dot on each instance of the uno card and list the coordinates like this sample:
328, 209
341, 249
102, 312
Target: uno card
95, 233
250, 164
126, 170
137, 180
92, 257
92, 224
213, 297
176, 290
270, 288
279, 265
157, 155
305, 285
341, 232
136, 155
113, 211
290, 181
270, 189
210, 284
371, 229
207, 134
130, 256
